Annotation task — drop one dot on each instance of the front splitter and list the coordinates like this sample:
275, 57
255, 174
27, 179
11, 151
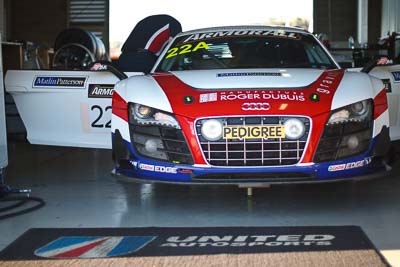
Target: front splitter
252, 184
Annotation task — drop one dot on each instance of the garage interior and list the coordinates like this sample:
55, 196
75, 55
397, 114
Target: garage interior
79, 191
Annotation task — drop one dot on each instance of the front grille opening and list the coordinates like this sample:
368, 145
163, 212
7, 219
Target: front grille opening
170, 143
253, 152
334, 144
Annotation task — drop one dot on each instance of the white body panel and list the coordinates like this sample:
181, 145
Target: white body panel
288, 78
62, 116
354, 87
357, 86
121, 125
144, 90
385, 72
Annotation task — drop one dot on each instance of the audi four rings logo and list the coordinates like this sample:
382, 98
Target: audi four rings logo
256, 106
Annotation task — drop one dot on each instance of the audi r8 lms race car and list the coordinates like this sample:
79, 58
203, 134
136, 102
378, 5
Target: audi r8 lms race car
249, 106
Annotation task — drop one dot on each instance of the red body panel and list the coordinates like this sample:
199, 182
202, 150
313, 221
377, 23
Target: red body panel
119, 107
380, 103
229, 102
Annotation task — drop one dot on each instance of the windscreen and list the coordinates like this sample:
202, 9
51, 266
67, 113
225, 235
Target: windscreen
245, 49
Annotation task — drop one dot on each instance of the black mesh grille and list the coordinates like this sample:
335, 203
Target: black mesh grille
171, 144
253, 152
334, 141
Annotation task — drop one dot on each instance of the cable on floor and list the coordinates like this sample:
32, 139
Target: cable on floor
20, 201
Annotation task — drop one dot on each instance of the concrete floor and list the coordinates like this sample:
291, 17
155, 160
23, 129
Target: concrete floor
80, 192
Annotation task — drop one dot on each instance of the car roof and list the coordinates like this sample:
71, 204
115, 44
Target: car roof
245, 27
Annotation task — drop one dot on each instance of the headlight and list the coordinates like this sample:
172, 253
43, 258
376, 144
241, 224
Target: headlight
145, 115
347, 133
212, 130
142, 111
359, 108
294, 128
358, 111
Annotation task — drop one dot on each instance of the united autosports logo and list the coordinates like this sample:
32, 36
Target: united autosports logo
92, 247
63, 82
249, 241
178, 243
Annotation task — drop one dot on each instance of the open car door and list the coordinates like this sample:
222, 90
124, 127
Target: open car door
73, 107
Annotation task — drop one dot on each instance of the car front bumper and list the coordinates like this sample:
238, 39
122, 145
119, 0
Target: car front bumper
130, 165
356, 168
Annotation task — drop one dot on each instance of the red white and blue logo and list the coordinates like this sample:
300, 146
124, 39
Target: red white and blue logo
93, 247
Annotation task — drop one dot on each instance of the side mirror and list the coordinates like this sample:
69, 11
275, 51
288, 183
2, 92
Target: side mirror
107, 66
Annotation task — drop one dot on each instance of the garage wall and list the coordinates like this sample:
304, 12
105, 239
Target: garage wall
374, 20
2, 18
38, 22
92, 16
338, 19
41, 21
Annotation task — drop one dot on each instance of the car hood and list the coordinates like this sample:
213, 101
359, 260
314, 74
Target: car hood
271, 92
244, 79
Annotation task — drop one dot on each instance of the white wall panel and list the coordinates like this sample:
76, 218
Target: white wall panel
362, 22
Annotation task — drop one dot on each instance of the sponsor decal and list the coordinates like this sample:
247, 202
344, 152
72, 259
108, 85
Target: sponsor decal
146, 167
188, 99
350, 165
211, 97
255, 106
156, 168
241, 74
334, 168
327, 85
262, 95
67, 247
63, 82
249, 241
186, 48
253, 132
99, 67
396, 76
241, 33
100, 90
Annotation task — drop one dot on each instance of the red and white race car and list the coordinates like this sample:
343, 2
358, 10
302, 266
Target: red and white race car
249, 106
